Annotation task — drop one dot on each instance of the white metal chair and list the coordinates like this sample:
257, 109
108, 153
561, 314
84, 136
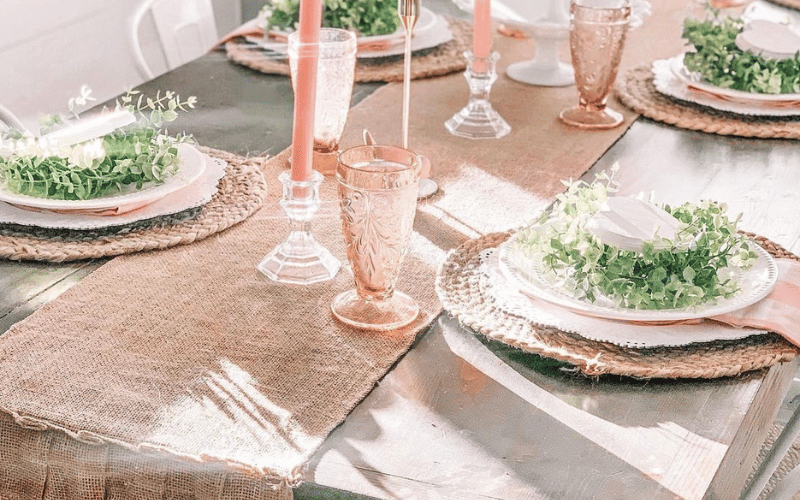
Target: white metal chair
789, 485
9, 120
186, 30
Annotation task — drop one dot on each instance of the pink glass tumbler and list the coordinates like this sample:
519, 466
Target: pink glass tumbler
597, 35
378, 193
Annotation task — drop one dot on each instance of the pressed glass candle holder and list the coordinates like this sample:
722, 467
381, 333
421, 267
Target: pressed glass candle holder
300, 259
478, 119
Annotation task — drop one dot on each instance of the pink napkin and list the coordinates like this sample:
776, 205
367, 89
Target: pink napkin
779, 311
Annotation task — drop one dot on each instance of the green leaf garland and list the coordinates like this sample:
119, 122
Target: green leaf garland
560, 247
134, 155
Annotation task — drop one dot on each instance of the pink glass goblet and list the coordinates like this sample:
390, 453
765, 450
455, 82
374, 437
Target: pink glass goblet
378, 193
335, 76
597, 35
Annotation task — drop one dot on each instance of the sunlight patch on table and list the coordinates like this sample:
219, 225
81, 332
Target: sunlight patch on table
670, 449
488, 202
229, 418
423, 249
400, 477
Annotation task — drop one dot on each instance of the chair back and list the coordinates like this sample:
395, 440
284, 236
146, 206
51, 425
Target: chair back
8, 120
186, 30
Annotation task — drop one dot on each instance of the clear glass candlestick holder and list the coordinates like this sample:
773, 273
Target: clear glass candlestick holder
300, 259
478, 119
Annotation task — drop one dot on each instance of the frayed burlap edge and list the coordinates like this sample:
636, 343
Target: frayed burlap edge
792, 4
460, 289
636, 90
240, 193
442, 60
272, 478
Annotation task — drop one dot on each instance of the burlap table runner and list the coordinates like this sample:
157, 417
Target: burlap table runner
636, 90
442, 60
190, 353
241, 192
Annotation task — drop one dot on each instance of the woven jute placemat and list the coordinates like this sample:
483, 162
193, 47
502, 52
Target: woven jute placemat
240, 193
441, 60
460, 285
635, 89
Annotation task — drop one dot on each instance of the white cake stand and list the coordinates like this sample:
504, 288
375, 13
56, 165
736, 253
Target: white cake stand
547, 22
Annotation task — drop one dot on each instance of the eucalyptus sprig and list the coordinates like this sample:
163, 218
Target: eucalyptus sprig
133, 155
692, 270
154, 112
718, 60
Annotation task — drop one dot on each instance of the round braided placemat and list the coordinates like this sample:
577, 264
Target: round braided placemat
636, 90
792, 4
460, 284
240, 193
441, 60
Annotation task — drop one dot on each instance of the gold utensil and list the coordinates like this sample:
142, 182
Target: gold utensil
408, 10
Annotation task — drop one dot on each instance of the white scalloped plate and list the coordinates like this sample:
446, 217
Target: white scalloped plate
755, 282
196, 194
192, 166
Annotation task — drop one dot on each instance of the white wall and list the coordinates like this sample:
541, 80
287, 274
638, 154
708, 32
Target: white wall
49, 48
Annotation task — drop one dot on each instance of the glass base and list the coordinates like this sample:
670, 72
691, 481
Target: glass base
534, 72
301, 264
325, 163
398, 311
591, 119
427, 188
478, 121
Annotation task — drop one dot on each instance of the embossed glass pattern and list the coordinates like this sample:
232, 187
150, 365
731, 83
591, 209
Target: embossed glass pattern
335, 76
378, 192
597, 36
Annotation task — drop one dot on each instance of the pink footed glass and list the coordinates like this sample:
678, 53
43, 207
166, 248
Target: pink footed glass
597, 35
378, 192
335, 77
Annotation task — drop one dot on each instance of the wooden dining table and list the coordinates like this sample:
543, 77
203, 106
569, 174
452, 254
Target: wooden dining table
461, 416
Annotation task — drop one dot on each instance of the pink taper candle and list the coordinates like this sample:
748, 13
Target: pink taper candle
481, 33
305, 89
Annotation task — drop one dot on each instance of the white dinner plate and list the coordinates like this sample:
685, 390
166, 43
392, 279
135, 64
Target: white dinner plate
192, 166
196, 194
667, 82
755, 282
693, 79
431, 30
